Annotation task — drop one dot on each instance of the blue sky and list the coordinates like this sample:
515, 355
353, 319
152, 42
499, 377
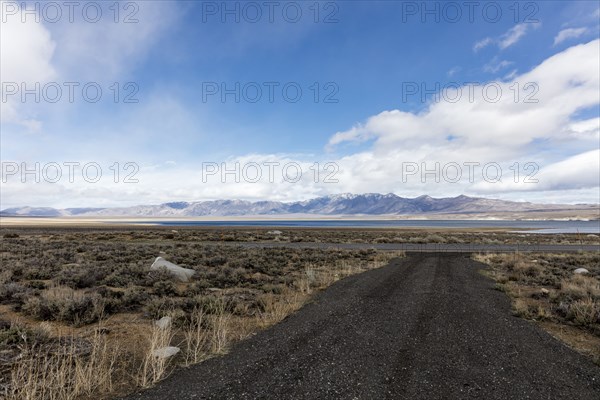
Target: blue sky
367, 55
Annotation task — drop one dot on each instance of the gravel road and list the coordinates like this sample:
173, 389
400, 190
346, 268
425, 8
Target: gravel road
428, 326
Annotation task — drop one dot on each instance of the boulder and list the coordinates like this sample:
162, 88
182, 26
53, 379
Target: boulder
166, 352
183, 274
581, 271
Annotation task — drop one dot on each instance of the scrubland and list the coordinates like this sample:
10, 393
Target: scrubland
78, 308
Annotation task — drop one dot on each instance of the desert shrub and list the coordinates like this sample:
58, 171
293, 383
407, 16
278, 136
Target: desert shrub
164, 288
40, 285
382, 240
39, 309
39, 269
196, 288
158, 307
434, 239
211, 304
585, 312
13, 292
65, 305
158, 275
79, 278
14, 333
216, 261
273, 288
134, 297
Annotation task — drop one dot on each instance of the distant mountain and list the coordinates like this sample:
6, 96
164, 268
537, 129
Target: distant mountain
341, 204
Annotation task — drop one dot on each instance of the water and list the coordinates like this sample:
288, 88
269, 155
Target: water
550, 227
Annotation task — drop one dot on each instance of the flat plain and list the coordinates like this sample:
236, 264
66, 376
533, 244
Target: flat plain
80, 305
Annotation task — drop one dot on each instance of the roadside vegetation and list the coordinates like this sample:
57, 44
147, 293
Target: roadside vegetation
316, 235
82, 316
545, 288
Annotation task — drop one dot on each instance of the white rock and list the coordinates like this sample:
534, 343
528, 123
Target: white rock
166, 352
183, 274
163, 323
545, 291
581, 271
274, 232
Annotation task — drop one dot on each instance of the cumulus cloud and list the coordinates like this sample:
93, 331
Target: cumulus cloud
409, 153
36, 52
483, 129
581, 171
453, 146
569, 33
24, 61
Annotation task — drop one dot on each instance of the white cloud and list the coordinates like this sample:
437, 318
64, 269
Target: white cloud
468, 130
589, 128
27, 61
37, 52
483, 43
581, 171
569, 33
513, 35
107, 50
507, 39
453, 71
482, 131
496, 65
511, 75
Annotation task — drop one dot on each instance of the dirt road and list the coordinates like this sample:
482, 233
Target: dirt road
428, 326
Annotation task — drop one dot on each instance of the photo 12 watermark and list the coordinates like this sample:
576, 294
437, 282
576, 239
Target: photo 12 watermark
69, 172
469, 11
453, 92
253, 12
54, 92
270, 92
269, 172
468, 171
53, 12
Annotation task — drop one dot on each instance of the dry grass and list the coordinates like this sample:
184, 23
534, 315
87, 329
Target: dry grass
219, 332
154, 367
545, 289
196, 337
64, 373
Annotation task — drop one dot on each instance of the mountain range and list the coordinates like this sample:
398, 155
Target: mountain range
340, 204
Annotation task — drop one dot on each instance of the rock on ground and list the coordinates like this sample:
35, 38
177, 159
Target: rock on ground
183, 274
